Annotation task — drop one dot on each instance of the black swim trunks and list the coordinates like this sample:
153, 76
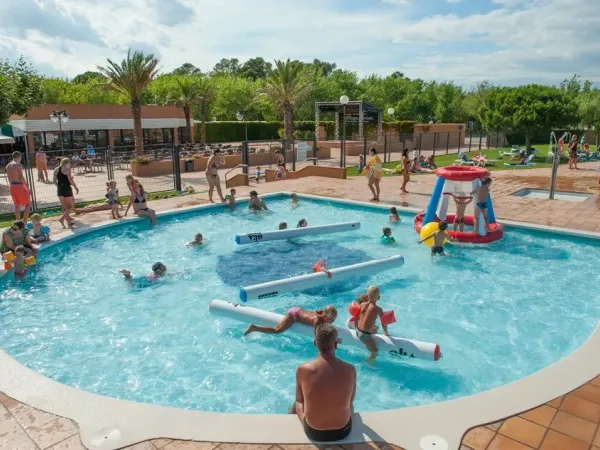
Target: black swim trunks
437, 250
327, 435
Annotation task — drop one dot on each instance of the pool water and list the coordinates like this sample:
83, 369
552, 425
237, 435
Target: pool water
499, 312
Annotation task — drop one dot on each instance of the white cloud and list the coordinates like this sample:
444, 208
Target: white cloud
452, 1
532, 41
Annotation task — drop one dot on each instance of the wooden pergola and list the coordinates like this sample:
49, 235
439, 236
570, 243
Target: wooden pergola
355, 111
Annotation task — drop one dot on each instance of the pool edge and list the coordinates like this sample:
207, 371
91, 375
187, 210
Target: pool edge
98, 415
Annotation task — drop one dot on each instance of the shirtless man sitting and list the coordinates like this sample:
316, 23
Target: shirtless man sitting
369, 312
19, 191
325, 390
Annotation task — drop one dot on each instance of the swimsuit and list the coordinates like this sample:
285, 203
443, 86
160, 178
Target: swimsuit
63, 185
19, 193
482, 205
327, 435
437, 250
21, 274
460, 221
113, 198
361, 334
140, 201
294, 312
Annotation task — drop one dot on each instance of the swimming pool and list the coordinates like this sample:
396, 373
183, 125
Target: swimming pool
499, 312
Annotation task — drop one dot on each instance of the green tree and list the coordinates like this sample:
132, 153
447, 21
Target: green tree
255, 69
187, 69
232, 95
130, 78
227, 67
185, 95
88, 76
325, 67
589, 110
528, 109
286, 89
20, 89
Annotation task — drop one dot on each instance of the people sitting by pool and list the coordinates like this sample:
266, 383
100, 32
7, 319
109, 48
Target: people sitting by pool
464, 157
325, 391
394, 217
368, 314
39, 232
257, 175
439, 237
17, 235
430, 161
423, 166
158, 270
387, 237
138, 200
297, 315
198, 240
302, 223
230, 199
112, 198
19, 265
255, 203
482, 194
282, 225
294, 200
461, 207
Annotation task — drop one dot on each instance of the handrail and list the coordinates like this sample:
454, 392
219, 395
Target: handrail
231, 170
315, 161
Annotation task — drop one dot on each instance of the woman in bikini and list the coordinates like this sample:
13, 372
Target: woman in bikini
212, 174
299, 315
405, 170
64, 181
138, 200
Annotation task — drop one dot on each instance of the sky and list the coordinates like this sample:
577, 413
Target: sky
466, 41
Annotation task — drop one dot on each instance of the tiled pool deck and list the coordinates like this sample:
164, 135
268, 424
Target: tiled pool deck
569, 422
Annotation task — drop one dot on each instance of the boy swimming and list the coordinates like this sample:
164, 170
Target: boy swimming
294, 201
158, 270
297, 314
283, 226
302, 223
387, 237
230, 198
438, 240
482, 194
198, 240
394, 217
255, 203
461, 207
369, 312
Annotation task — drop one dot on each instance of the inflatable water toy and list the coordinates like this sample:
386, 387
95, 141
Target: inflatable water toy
459, 181
9, 258
301, 282
387, 240
395, 346
45, 228
427, 231
264, 236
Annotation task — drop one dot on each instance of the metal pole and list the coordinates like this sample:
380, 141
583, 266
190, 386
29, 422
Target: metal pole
246, 129
480, 136
459, 133
555, 164
365, 149
60, 135
294, 156
447, 142
385, 148
434, 142
470, 139
344, 132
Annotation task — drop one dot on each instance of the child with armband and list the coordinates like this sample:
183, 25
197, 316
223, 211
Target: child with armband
112, 198
40, 233
387, 237
19, 264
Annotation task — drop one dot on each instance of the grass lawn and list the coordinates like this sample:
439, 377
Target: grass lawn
7, 219
442, 160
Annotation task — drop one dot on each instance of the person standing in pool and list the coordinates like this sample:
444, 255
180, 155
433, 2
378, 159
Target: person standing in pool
481, 196
461, 207
297, 314
255, 203
369, 312
439, 237
325, 391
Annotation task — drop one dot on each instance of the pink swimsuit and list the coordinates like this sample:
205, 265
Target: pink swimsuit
294, 312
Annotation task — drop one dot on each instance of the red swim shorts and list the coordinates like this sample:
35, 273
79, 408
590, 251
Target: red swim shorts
19, 194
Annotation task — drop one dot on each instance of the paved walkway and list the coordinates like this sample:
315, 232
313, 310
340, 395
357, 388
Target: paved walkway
567, 423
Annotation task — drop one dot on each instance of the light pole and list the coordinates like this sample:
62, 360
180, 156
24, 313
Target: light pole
240, 117
245, 154
60, 116
344, 100
390, 112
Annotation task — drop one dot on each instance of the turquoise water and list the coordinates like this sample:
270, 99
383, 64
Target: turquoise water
499, 312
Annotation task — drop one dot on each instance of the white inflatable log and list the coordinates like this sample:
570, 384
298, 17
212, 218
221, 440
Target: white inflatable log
301, 282
395, 346
278, 235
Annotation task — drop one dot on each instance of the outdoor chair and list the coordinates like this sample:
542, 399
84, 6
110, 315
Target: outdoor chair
525, 163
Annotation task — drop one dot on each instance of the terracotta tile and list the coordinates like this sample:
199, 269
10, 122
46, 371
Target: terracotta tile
556, 402
141, 446
160, 443
503, 443
22, 442
190, 445
588, 392
574, 426
72, 443
9, 429
523, 431
542, 415
559, 441
494, 426
478, 438
30, 417
581, 408
53, 432
226, 446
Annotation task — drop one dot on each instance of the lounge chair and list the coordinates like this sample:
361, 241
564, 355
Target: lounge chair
514, 151
525, 163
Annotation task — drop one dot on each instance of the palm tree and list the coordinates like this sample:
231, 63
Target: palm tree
131, 78
285, 89
207, 93
186, 93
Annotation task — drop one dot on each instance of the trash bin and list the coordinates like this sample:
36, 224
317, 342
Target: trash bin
189, 165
